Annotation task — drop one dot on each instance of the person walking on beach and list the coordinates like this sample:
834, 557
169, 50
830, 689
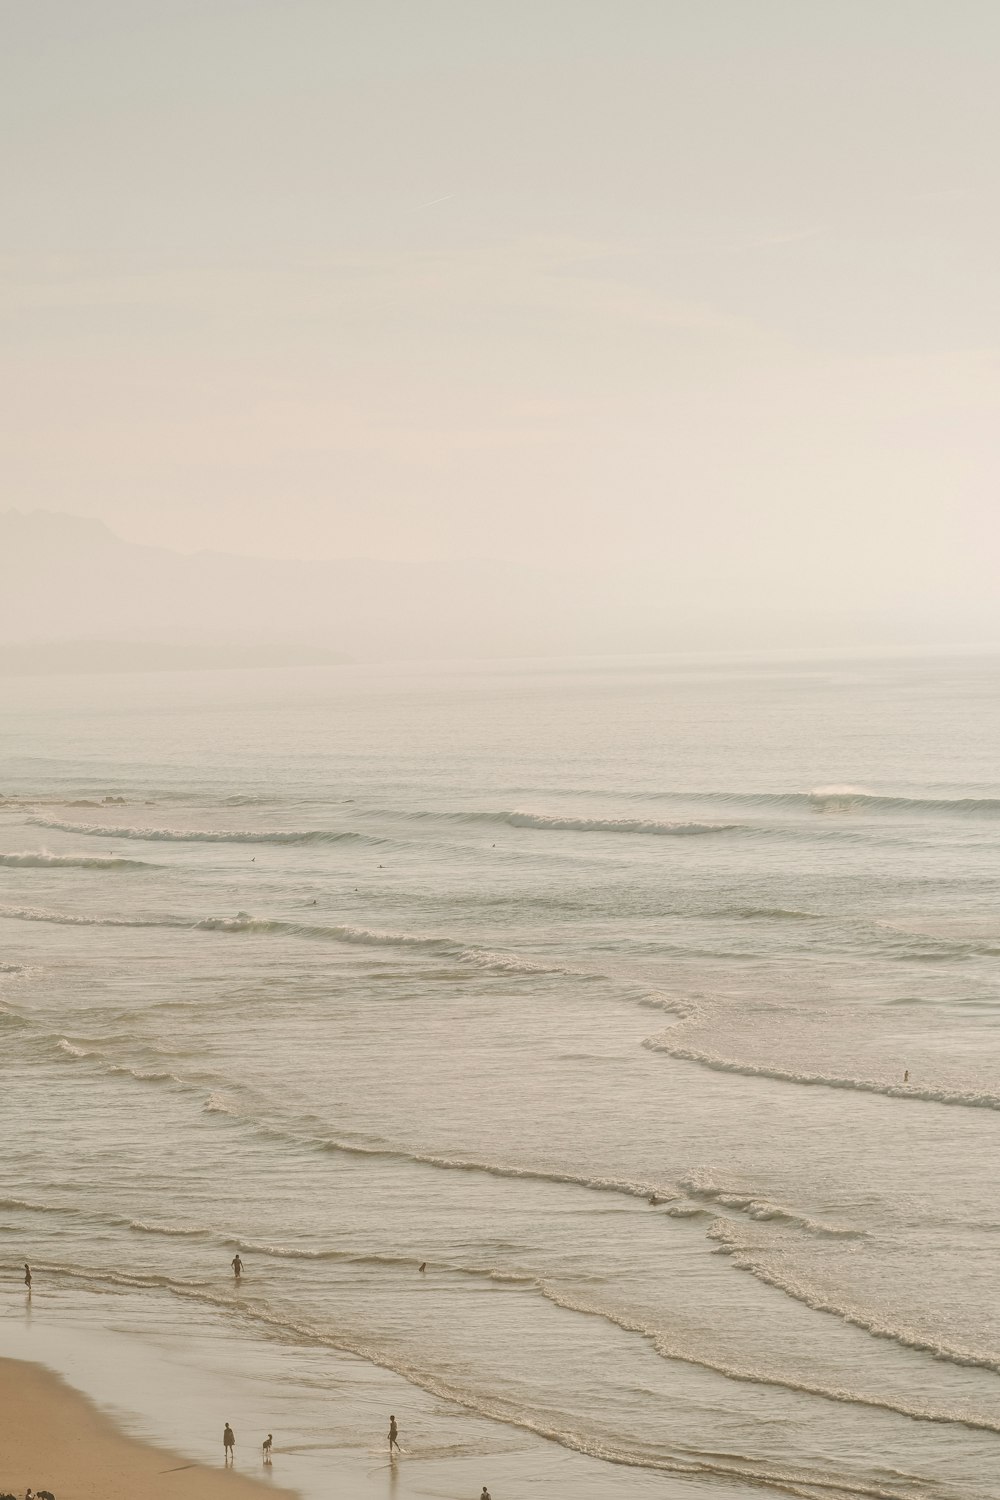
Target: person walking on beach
228, 1443
27, 1275
393, 1436
237, 1266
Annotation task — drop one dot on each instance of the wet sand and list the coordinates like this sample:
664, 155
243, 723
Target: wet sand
55, 1439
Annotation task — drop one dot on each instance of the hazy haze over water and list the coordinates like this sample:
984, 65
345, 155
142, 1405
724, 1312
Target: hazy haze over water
705, 293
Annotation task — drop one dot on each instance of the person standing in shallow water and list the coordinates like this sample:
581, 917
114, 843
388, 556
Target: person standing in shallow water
228, 1443
237, 1266
27, 1275
393, 1436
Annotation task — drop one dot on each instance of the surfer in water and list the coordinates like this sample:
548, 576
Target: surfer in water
237, 1266
393, 1436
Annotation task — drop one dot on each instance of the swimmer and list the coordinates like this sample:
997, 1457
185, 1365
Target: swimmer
486, 1494
237, 1265
422, 1266
906, 1076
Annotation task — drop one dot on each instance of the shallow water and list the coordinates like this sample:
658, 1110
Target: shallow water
372, 967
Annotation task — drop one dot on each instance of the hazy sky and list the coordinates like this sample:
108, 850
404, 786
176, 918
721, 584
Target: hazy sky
705, 286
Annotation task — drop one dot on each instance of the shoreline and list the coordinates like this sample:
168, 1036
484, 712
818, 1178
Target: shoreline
129, 1410
56, 1438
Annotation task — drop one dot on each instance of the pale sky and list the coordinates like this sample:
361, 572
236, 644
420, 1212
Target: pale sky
701, 287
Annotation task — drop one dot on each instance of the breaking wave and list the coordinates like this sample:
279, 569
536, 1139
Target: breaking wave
73, 1049
820, 799
836, 798
209, 836
555, 824
743, 1259
171, 1231
667, 1349
967, 1099
367, 937
41, 859
71, 919
760, 1209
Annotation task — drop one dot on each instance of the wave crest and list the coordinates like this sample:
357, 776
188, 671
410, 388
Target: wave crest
42, 859
669, 829
207, 835
961, 1098
761, 1209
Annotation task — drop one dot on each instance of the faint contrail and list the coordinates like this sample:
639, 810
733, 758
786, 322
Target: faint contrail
432, 202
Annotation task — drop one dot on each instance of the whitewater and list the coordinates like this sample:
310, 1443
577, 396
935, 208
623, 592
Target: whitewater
653, 1005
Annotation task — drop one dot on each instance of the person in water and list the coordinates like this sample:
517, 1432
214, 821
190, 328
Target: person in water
228, 1443
266, 1445
906, 1076
486, 1494
27, 1275
393, 1436
237, 1266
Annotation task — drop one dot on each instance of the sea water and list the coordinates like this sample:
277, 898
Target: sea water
652, 1004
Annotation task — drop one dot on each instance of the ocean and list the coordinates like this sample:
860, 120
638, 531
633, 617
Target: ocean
652, 1003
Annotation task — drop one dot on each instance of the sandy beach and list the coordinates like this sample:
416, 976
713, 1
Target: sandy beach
57, 1440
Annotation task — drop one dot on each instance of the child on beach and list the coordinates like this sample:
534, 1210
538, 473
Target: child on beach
228, 1443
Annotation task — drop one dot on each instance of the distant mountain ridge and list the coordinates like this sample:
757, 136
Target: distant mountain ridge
70, 578
74, 596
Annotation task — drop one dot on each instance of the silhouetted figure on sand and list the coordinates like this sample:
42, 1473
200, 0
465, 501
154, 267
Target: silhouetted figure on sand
237, 1266
393, 1436
266, 1445
228, 1443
